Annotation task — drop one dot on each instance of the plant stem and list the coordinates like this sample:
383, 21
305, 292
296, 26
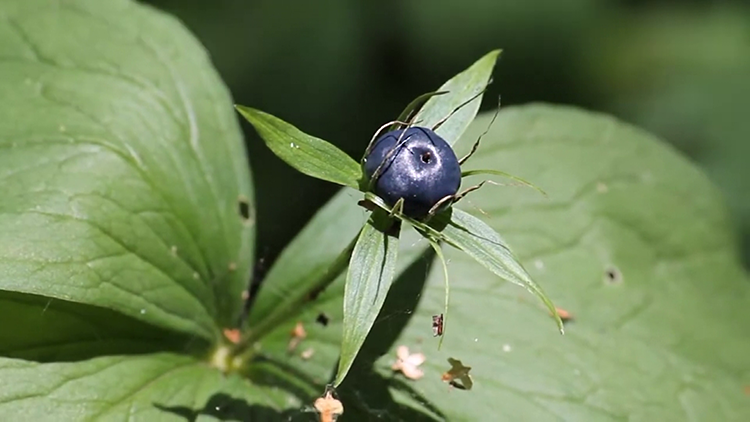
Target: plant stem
293, 303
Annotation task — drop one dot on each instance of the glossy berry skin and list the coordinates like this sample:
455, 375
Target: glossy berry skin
423, 169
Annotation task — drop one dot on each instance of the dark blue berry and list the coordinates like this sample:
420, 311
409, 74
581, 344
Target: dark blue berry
423, 169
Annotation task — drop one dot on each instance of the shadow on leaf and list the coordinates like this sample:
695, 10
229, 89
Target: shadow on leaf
54, 330
272, 373
223, 407
441, 220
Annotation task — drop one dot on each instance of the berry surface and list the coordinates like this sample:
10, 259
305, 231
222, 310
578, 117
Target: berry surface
415, 164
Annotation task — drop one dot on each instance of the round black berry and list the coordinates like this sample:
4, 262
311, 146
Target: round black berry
415, 164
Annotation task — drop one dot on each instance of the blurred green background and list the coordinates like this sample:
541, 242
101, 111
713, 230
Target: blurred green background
338, 69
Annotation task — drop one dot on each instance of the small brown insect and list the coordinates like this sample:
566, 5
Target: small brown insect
437, 325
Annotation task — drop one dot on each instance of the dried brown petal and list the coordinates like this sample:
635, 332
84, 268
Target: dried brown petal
458, 372
298, 333
408, 364
328, 407
232, 334
307, 353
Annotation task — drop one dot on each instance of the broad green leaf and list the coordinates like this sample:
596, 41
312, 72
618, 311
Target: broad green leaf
633, 241
461, 89
481, 242
123, 168
371, 271
156, 387
307, 154
469, 173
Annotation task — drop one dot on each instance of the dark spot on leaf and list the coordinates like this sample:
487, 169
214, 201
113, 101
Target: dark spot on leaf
226, 408
322, 319
426, 157
244, 208
613, 275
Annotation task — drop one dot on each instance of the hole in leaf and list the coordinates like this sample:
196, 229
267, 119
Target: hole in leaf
322, 319
244, 208
613, 276
426, 157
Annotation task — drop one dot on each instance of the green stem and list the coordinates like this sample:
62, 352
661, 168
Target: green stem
295, 301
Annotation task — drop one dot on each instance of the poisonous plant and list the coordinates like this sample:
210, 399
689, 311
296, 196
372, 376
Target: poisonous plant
127, 229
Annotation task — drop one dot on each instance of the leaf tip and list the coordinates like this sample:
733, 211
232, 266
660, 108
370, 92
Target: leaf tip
492, 56
245, 111
340, 375
559, 322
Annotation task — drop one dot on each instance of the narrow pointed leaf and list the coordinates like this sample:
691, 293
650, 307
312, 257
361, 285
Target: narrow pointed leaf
520, 180
482, 243
307, 154
461, 88
414, 106
371, 270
